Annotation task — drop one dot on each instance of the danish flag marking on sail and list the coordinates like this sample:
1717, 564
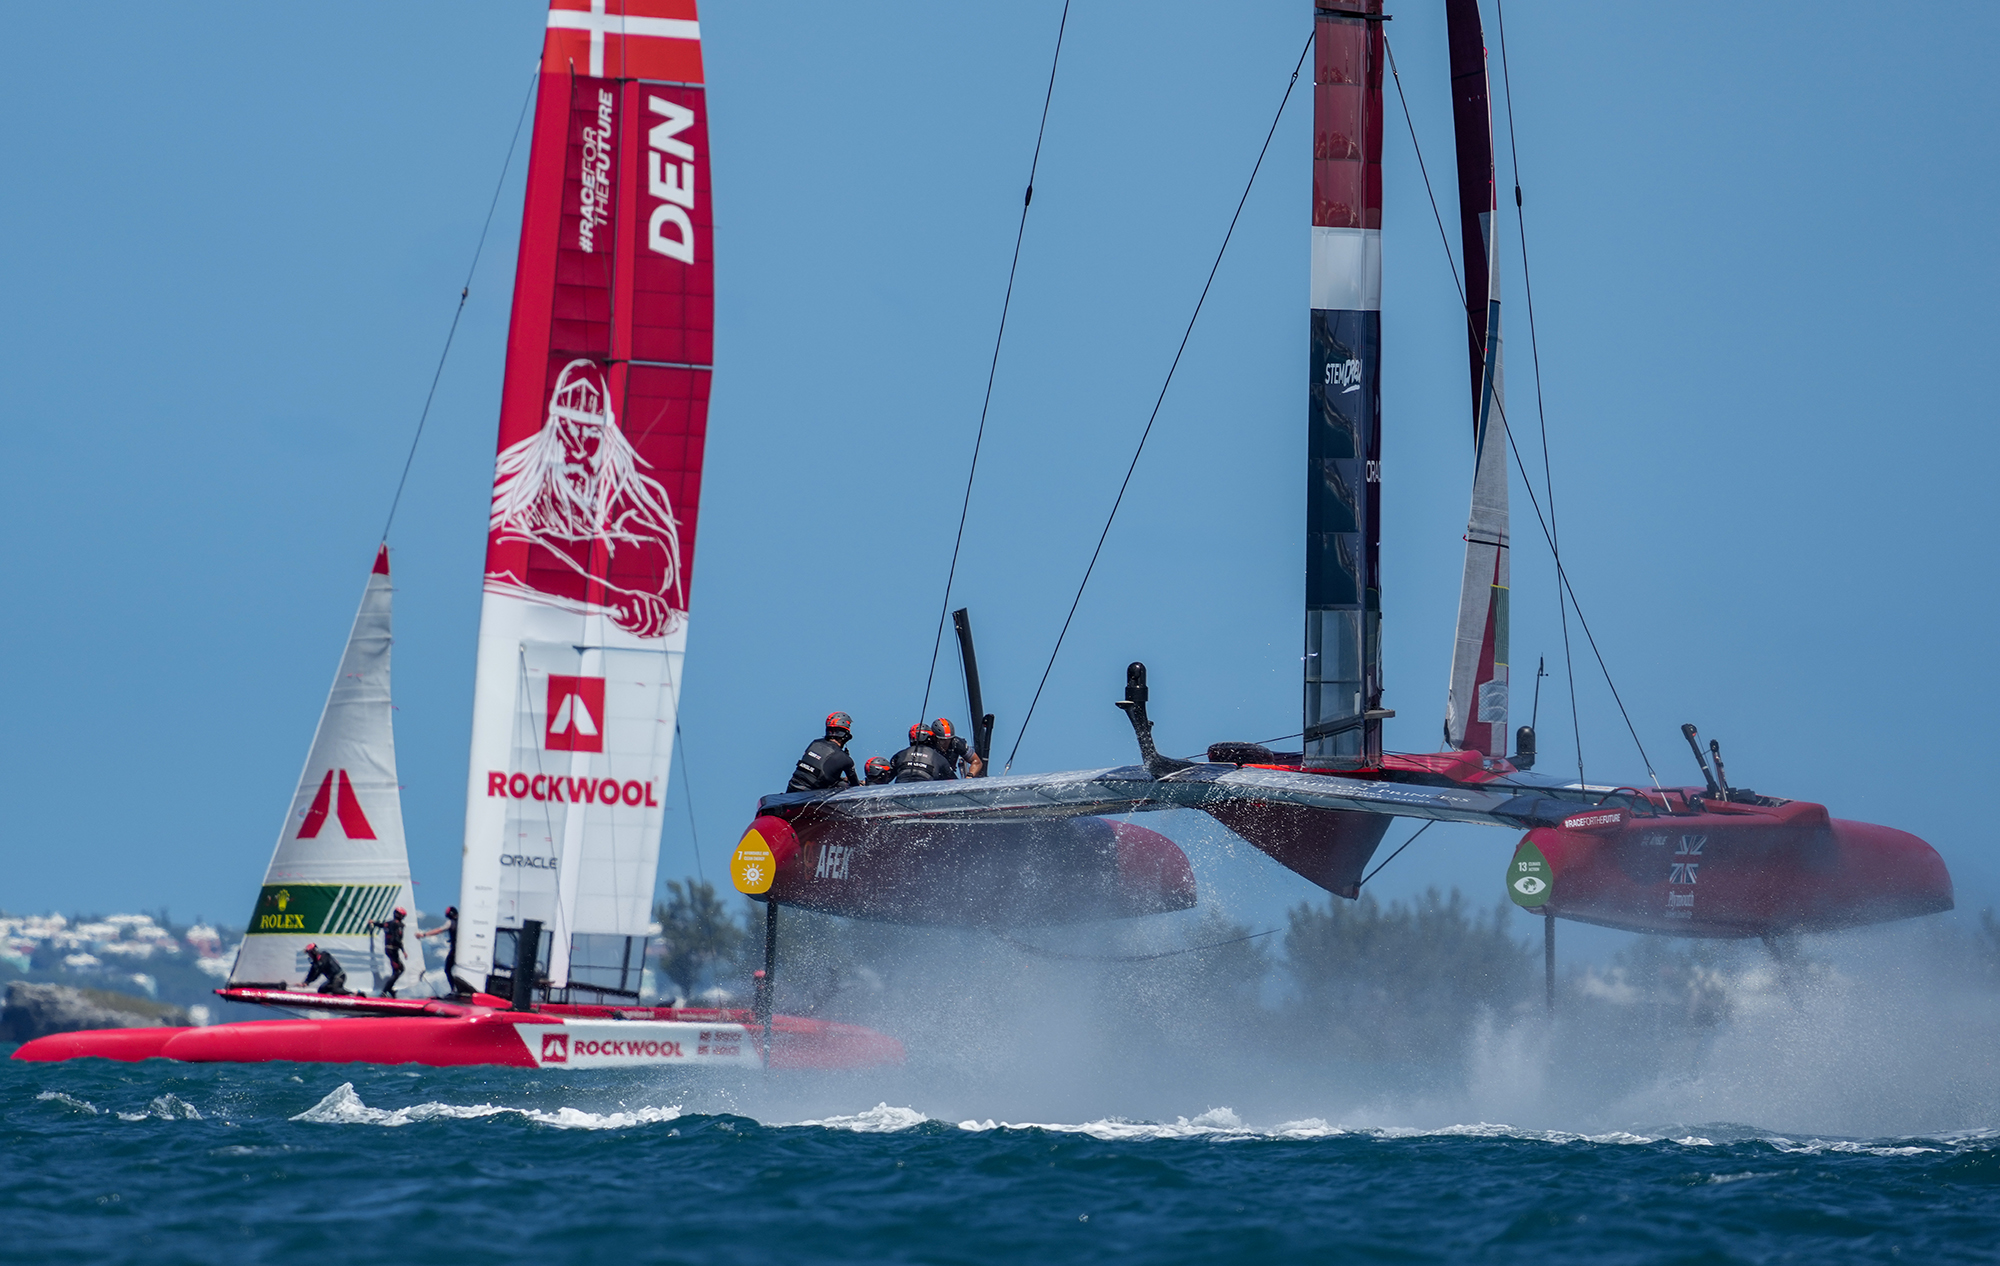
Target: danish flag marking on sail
600, 24
340, 798
576, 711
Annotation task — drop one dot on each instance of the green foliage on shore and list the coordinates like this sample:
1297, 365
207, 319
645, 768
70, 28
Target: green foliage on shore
701, 940
1402, 980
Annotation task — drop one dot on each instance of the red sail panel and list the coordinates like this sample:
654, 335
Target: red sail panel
1472, 126
604, 409
596, 494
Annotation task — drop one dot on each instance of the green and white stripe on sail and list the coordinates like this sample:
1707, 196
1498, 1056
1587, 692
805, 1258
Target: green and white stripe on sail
322, 909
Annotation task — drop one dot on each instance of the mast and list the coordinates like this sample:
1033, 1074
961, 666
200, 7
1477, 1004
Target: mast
1476, 708
1343, 652
590, 546
340, 862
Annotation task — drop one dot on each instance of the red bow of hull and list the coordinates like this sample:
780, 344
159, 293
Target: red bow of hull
1737, 871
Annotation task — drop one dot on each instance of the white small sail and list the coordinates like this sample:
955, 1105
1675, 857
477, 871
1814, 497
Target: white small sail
340, 862
1475, 717
1476, 710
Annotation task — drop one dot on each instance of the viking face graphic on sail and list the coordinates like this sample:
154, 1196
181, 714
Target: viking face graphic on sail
605, 533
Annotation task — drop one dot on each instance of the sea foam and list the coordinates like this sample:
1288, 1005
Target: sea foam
344, 1107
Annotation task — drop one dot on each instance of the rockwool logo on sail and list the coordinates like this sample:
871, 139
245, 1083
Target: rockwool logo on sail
575, 714
563, 790
344, 805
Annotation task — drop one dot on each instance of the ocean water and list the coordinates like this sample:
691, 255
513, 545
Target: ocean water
163, 1163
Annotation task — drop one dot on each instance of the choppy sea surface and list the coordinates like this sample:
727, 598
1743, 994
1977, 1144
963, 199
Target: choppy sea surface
163, 1163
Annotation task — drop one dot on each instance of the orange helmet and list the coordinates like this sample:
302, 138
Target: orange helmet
942, 727
401, 913
920, 733
840, 723
311, 946
876, 765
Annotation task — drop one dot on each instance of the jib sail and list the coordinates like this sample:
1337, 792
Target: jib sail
1343, 663
340, 863
1476, 709
590, 551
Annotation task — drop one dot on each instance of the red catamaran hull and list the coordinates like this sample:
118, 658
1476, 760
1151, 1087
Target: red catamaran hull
1737, 870
442, 1034
1016, 873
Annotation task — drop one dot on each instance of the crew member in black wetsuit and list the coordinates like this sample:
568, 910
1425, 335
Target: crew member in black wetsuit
956, 749
877, 771
921, 761
392, 946
321, 964
448, 928
827, 766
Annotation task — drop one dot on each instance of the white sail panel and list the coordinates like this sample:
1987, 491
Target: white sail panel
1476, 710
340, 861
572, 746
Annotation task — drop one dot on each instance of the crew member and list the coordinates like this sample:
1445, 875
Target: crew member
827, 766
449, 928
392, 946
956, 749
921, 761
877, 771
322, 965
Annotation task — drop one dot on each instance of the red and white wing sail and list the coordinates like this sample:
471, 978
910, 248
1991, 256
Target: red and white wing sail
1476, 710
1343, 643
340, 862
597, 485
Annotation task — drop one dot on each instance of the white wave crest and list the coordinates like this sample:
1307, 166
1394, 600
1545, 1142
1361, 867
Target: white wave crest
1223, 1124
1814, 1147
880, 1119
344, 1107
68, 1101
168, 1107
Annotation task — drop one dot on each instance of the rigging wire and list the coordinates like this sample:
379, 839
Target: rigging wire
687, 794
993, 368
1158, 401
1398, 853
1535, 351
463, 292
1562, 574
1058, 955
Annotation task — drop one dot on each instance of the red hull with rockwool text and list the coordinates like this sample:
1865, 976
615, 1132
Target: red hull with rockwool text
443, 1034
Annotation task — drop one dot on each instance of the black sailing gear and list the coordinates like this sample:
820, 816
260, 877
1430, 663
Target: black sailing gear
392, 934
825, 767
449, 930
920, 762
954, 747
392, 946
321, 963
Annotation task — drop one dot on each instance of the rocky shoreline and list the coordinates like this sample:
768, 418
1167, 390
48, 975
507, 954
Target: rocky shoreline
34, 1010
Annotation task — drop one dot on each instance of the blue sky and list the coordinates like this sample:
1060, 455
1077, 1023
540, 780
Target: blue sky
1763, 280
